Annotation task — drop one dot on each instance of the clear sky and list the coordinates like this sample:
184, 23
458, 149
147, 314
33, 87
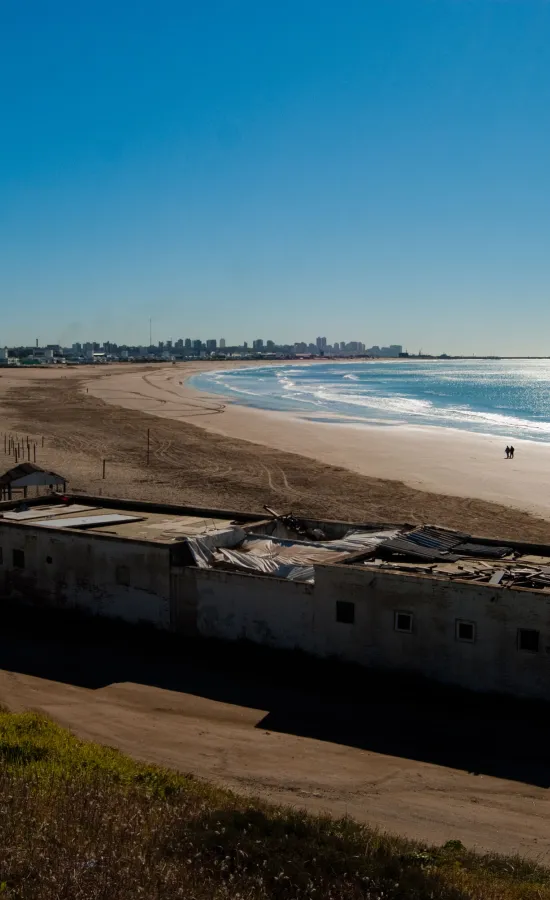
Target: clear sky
375, 170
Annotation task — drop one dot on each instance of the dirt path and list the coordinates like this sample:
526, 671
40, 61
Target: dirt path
233, 745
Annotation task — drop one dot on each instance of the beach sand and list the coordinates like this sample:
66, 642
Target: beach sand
207, 451
441, 460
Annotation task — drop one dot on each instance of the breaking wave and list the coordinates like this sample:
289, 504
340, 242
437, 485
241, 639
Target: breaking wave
508, 398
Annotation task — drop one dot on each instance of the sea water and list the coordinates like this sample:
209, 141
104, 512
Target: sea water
510, 398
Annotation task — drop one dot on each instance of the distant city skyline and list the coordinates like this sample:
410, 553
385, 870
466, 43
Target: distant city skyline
208, 346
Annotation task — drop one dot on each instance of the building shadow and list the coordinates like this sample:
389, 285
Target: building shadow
397, 715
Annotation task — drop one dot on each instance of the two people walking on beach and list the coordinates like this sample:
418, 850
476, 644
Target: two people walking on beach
509, 452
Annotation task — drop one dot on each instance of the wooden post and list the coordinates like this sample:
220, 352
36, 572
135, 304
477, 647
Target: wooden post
34, 452
104, 468
148, 444
42, 440
28, 452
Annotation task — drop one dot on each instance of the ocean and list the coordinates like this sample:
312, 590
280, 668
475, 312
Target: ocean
510, 398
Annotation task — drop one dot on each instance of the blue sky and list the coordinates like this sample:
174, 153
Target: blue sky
374, 170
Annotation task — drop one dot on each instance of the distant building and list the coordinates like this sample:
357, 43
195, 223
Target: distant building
188, 344
270, 345
222, 343
321, 343
258, 345
197, 346
211, 345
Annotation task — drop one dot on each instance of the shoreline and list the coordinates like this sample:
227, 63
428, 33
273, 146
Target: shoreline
440, 460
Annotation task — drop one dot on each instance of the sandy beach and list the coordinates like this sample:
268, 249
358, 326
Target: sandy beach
208, 451
445, 461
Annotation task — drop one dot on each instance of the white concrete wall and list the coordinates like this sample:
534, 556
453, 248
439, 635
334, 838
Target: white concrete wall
234, 606
87, 571
492, 663
288, 615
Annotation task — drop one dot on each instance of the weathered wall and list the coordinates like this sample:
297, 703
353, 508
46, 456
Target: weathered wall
105, 576
285, 614
235, 606
492, 662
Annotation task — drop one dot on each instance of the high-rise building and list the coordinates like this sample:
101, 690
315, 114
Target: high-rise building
222, 343
211, 345
188, 344
179, 344
197, 346
258, 345
270, 345
321, 343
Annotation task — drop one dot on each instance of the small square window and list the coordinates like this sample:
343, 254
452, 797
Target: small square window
345, 612
123, 575
465, 631
403, 621
528, 639
19, 559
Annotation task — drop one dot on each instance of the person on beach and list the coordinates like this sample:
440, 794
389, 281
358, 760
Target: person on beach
507, 451
512, 451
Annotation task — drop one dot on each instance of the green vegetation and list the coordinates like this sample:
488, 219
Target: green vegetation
83, 822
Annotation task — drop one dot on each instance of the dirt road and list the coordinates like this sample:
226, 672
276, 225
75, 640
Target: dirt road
295, 747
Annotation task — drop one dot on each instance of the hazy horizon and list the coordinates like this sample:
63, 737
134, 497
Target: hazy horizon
373, 172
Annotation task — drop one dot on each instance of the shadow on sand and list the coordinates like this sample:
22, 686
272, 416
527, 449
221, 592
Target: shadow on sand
401, 716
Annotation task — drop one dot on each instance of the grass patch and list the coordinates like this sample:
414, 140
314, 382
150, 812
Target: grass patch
83, 822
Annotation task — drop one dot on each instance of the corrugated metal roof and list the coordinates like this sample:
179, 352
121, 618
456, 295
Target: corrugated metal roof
469, 549
427, 543
438, 538
406, 547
